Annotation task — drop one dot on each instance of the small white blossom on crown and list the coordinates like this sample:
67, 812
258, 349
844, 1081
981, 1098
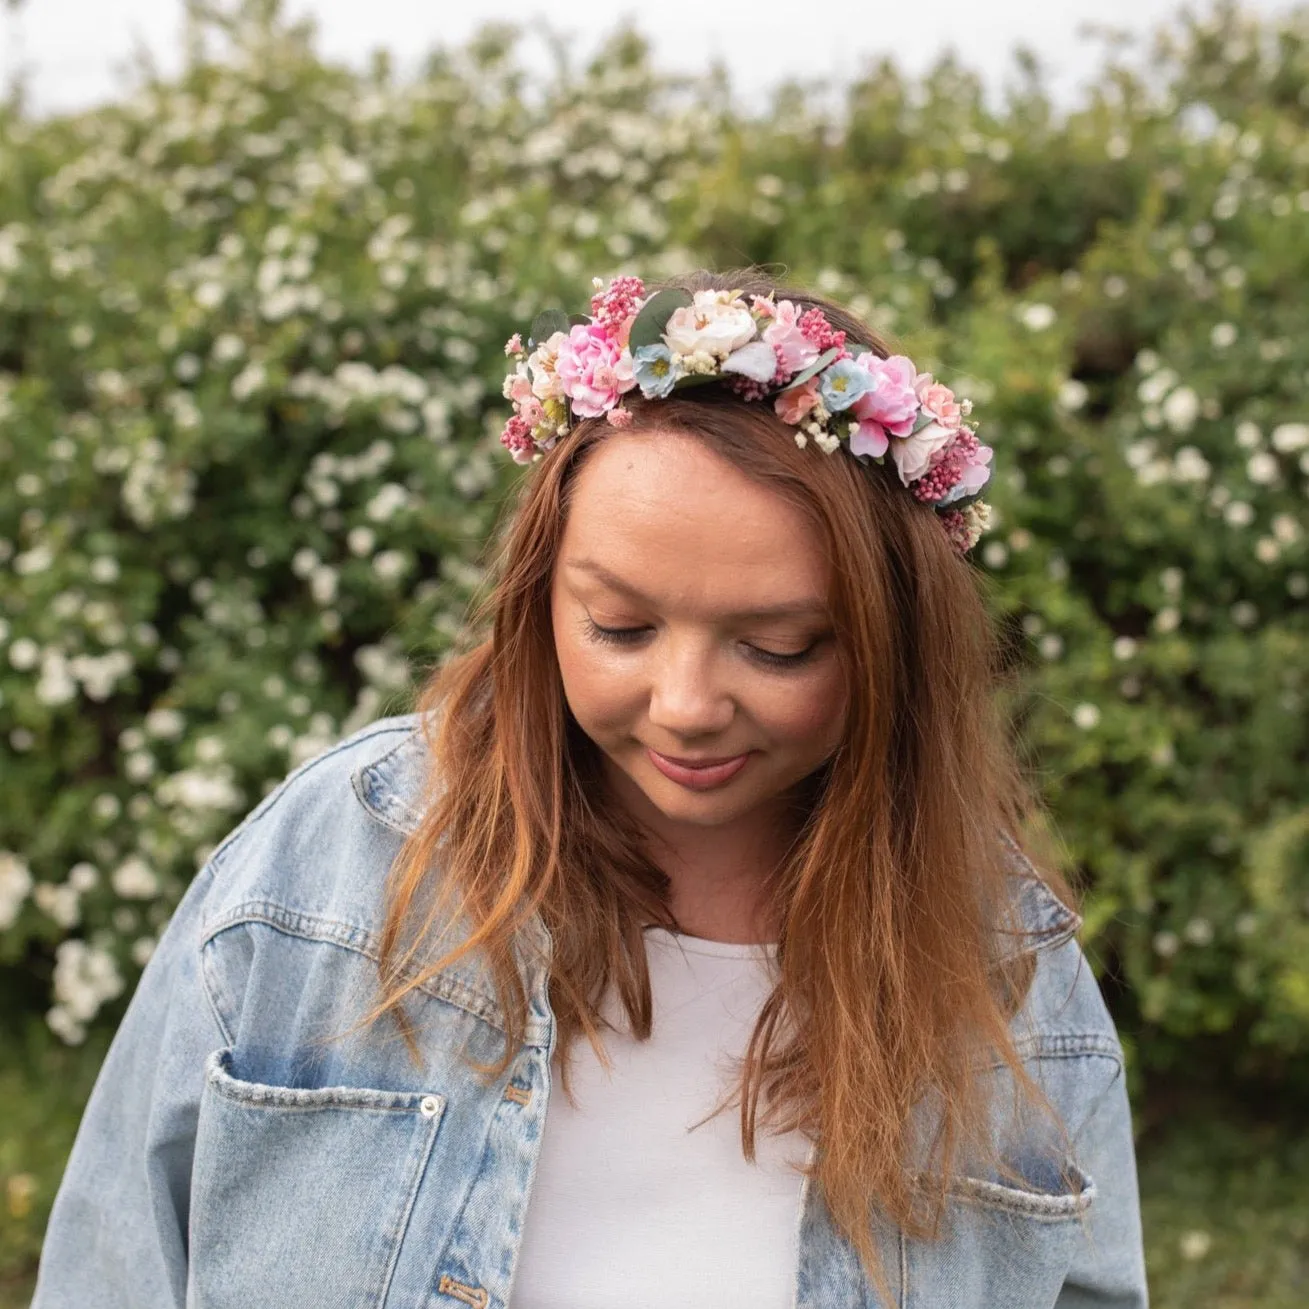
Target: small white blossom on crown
831, 393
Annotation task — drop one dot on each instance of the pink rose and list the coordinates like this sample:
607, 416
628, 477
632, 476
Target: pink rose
890, 408
977, 471
794, 350
593, 369
937, 401
913, 454
793, 405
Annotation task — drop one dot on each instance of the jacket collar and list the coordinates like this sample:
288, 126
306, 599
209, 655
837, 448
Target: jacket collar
391, 788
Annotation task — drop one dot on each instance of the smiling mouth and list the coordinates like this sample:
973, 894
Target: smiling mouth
698, 774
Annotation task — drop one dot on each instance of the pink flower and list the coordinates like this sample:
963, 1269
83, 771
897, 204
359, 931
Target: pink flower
518, 389
793, 348
958, 470
793, 405
913, 454
619, 417
937, 401
616, 304
593, 369
517, 439
815, 326
514, 346
889, 409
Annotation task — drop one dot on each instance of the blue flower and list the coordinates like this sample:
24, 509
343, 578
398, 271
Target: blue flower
842, 383
652, 366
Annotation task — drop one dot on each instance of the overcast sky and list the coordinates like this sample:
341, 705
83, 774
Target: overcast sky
73, 46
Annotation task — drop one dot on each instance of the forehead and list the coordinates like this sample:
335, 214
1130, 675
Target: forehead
684, 525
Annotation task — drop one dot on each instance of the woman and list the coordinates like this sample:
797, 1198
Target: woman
711, 848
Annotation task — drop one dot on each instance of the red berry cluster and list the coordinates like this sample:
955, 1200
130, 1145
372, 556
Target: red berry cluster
613, 306
947, 468
517, 436
814, 327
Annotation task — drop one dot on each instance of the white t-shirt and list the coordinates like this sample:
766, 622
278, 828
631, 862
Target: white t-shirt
630, 1209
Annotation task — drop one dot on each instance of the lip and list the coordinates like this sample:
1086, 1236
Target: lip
698, 774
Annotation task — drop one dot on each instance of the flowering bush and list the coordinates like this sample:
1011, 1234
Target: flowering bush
251, 327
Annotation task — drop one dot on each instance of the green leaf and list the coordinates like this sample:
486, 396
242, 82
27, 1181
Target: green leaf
547, 323
814, 369
648, 329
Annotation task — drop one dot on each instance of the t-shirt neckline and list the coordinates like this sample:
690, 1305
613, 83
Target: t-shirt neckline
663, 937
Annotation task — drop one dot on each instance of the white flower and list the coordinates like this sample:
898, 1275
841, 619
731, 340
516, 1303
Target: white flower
712, 324
248, 381
84, 979
1189, 465
166, 723
15, 885
1072, 395
1181, 409
24, 653
1166, 944
1124, 647
1037, 317
541, 363
83, 877
1086, 716
1261, 468
60, 902
1223, 335
1287, 438
913, 454
134, 879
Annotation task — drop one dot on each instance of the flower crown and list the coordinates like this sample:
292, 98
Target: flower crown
582, 367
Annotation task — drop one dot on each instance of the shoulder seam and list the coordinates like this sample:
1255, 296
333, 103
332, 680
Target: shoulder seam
220, 852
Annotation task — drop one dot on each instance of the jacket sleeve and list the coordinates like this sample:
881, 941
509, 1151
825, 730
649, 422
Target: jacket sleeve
117, 1236
1108, 1269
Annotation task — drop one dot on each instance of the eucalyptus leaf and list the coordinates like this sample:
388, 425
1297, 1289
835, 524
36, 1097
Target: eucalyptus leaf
814, 369
648, 329
547, 323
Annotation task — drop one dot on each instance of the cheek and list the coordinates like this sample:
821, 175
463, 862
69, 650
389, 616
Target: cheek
808, 718
600, 689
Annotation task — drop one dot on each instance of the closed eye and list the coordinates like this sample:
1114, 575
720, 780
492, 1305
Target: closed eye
628, 636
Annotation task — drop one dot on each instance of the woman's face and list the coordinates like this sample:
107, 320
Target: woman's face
690, 619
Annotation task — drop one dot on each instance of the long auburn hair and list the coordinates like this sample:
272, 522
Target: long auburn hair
891, 991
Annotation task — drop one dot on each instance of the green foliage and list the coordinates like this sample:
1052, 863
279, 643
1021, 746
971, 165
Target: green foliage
1225, 1211
251, 327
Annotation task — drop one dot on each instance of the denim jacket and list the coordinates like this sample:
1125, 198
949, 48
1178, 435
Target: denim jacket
230, 1159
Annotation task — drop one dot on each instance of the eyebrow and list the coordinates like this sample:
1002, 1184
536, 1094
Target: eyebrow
786, 609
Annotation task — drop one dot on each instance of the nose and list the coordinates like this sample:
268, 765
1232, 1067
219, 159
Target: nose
687, 699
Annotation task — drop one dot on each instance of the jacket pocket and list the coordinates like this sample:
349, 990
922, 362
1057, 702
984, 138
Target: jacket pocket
302, 1196
1005, 1244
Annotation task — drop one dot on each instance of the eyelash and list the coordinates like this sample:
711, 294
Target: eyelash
623, 636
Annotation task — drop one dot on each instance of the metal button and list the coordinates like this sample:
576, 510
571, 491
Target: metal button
429, 1106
